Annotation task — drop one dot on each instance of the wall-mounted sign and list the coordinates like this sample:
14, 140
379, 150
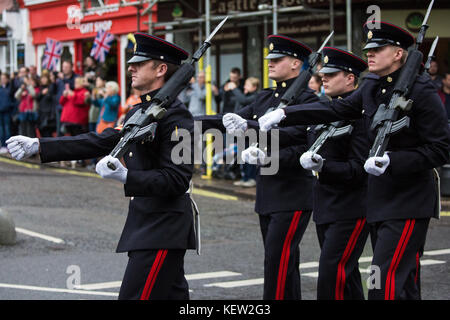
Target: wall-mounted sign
95, 26
75, 16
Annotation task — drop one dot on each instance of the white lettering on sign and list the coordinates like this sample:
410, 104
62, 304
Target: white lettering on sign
74, 17
95, 26
103, 25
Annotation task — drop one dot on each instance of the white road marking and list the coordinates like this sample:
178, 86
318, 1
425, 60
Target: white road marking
194, 276
311, 274
87, 288
429, 262
209, 275
313, 264
426, 253
46, 289
238, 283
437, 252
39, 235
305, 265
100, 285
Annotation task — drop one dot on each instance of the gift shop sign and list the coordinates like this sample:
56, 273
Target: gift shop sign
75, 16
64, 21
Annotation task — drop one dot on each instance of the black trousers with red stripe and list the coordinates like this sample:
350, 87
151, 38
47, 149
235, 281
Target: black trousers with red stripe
341, 243
155, 275
397, 246
282, 233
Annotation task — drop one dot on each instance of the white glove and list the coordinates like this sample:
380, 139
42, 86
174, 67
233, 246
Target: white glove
120, 174
371, 167
254, 155
311, 162
271, 119
21, 147
234, 124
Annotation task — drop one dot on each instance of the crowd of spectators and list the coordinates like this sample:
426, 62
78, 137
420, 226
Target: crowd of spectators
58, 103
65, 103
231, 96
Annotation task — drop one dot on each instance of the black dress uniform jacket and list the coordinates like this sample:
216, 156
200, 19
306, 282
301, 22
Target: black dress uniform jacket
160, 212
290, 189
340, 187
407, 189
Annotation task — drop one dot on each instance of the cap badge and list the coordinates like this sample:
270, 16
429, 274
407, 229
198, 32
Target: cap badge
325, 59
271, 46
369, 35
135, 47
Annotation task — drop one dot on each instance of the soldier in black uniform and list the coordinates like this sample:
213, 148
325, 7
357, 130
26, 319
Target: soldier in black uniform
339, 191
283, 200
159, 226
402, 195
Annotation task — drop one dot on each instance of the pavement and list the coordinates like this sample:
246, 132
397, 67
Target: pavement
200, 181
226, 186
223, 186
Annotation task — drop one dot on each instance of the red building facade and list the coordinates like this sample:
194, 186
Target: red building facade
64, 21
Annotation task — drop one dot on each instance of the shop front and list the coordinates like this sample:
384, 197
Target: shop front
65, 22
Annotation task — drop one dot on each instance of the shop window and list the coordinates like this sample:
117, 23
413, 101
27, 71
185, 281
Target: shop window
20, 55
230, 56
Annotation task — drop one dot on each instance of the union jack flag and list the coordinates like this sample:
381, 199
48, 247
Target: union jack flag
102, 44
52, 54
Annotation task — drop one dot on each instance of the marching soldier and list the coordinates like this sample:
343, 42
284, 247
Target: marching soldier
402, 195
159, 226
283, 200
339, 191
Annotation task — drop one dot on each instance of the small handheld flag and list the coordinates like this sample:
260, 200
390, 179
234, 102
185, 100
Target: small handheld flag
52, 54
102, 44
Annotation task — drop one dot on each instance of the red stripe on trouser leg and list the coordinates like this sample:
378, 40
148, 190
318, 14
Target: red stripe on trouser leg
417, 267
394, 258
408, 236
284, 261
389, 293
340, 279
160, 256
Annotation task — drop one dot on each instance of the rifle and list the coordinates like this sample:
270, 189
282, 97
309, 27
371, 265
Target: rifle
384, 119
301, 83
142, 123
329, 131
430, 56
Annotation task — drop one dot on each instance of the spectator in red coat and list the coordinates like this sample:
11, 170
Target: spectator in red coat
75, 112
28, 106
